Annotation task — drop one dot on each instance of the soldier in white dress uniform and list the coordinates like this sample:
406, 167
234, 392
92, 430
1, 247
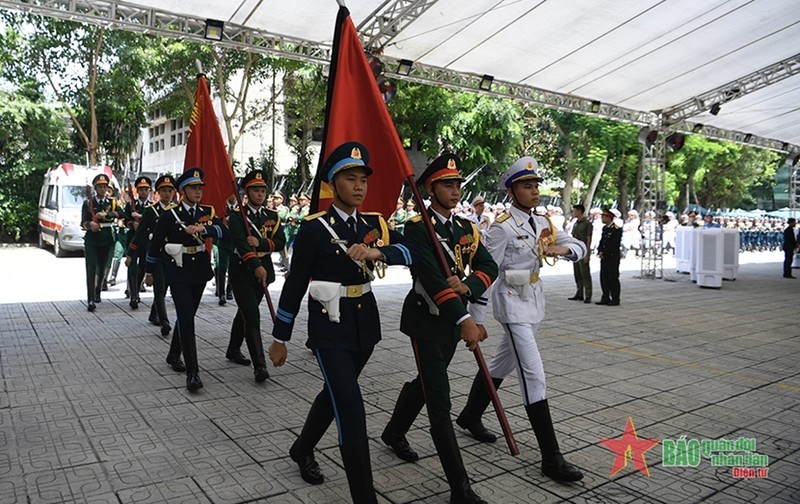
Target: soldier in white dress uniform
520, 242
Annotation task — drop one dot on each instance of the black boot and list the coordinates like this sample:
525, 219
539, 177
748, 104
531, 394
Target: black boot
161, 314
133, 290
90, 293
408, 406
153, 318
228, 291
256, 348
357, 467
470, 417
174, 354
189, 348
221, 286
577, 297
302, 451
446, 446
98, 287
114, 269
553, 464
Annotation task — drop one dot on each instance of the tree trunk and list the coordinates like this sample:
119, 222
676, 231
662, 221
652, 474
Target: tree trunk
588, 198
638, 194
569, 179
622, 186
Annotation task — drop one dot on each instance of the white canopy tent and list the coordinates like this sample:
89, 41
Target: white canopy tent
657, 62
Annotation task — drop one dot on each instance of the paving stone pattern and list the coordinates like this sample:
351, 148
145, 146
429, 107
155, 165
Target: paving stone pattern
90, 412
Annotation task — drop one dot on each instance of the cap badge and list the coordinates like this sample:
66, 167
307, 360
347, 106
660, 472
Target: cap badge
530, 165
451, 164
355, 153
196, 174
258, 175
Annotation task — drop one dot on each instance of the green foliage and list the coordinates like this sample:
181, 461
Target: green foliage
32, 139
305, 92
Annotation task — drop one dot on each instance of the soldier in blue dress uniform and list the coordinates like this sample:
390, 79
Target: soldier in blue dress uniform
339, 249
179, 241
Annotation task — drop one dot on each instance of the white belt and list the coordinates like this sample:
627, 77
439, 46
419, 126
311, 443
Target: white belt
105, 224
532, 277
521, 281
328, 295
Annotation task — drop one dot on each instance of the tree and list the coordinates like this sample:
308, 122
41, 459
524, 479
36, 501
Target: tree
305, 93
33, 138
77, 61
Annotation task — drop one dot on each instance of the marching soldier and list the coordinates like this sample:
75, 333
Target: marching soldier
436, 318
165, 188
609, 251
97, 217
251, 269
178, 240
224, 248
520, 242
397, 222
133, 216
283, 214
337, 251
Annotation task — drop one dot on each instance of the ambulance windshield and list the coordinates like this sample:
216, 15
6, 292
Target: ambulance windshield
72, 196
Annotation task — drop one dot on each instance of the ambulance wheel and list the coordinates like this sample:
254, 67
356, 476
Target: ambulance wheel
41, 239
57, 250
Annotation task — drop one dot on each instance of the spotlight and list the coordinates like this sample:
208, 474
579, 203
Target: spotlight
214, 29
697, 128
595, 107
792, 158
675, 141
748, 137
785, 146
715, 109
404, 67
486, 82
647, 136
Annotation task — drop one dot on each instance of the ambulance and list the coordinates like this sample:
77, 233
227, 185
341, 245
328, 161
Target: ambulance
65, 188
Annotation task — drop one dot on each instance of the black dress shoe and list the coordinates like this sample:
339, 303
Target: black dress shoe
176, 363
602, 301
165, 328
222, 301
261, 374
229, 296
105, 285
134, 304
309, 469
613, 303
561, 470
587, 301
576, 297
153, 318
97, 298
399, 445
789, 276
477, 429
91, 306
193, 382
238, 358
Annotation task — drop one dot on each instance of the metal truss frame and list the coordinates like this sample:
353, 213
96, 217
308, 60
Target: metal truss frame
736, 89
794, 190
389, 19
653, 189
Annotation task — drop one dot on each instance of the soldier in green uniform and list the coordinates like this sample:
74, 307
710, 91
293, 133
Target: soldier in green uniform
223, 249
116, 252
133, 216
398, 219
251, 269
97, 218
165, 187
435, 317
283, 213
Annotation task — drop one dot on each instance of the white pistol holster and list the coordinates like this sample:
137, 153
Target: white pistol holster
175, 250
327, 293
520, 281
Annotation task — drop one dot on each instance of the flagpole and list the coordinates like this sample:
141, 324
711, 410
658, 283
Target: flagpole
484, 369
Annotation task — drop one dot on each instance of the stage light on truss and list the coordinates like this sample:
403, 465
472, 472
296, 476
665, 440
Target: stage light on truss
792, 158
214, 29
404, 66
647, 136
697, 128
675, 141
595, 107
486, 82
714, 110
748, 137
785, 146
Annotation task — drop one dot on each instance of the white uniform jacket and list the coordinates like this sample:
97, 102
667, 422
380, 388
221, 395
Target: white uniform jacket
512, 243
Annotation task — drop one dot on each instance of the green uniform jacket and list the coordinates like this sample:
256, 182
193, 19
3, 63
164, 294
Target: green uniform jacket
141, 239
265, 223
89, 213
417, 321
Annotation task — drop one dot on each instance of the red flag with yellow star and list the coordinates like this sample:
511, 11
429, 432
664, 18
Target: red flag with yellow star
206, 149
356, 112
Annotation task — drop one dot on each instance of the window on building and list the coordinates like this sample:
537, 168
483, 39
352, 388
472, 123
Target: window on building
180, 138
161, 129
161, 144
180, 122
151, 147
172, 140
173, 124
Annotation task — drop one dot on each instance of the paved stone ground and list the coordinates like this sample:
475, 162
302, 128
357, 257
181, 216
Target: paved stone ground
89, 411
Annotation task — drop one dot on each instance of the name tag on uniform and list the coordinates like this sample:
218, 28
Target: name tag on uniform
443, 240
338, 241
522, 237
